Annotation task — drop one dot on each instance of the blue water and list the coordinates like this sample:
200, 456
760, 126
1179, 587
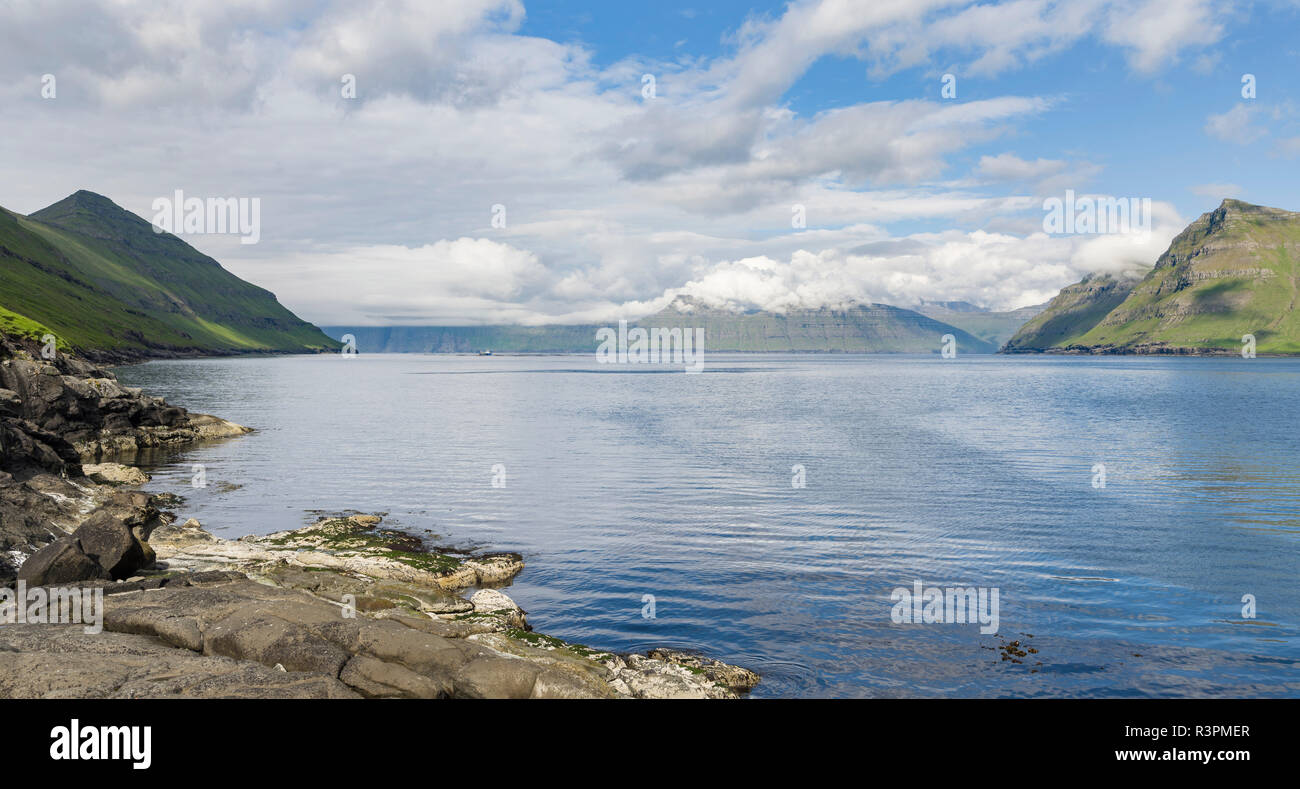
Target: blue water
623, 481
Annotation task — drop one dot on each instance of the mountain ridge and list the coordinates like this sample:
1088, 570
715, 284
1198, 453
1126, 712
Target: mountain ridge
1232, 273
106, 285
862, 328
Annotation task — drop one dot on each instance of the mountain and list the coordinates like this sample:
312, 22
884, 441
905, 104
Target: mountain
949, 307
873, 328
863, 328
468, 339
992, 327
1074, 311
104, 283
1231, 272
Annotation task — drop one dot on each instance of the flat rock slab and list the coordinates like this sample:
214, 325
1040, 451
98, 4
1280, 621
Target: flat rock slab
393, 656
62, 661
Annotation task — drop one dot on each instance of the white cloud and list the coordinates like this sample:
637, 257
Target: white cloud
1288, 147
378, 210
1216, 191
1155, 31
1009, 167
1234, 126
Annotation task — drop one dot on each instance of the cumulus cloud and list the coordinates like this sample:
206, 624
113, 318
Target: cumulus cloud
994, 270
986, 39
378, 210
1234, 126
468, 278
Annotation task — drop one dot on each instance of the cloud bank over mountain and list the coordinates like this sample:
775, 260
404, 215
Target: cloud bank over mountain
383, 208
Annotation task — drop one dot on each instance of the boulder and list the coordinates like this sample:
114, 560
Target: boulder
492, 602
114, 474
114, 545
111, 543
61, 562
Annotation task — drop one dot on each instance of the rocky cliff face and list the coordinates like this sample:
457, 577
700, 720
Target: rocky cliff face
56, 414
73, 411
1233, 272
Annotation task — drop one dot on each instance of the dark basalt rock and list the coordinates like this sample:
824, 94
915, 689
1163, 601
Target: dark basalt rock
110, 544
60, 563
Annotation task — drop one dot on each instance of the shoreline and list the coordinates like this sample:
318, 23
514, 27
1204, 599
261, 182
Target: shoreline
339, 608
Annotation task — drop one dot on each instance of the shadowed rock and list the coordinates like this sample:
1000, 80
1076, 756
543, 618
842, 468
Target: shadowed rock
59, 563
110, 543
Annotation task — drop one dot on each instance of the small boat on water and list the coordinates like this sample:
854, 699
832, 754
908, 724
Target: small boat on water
484, 353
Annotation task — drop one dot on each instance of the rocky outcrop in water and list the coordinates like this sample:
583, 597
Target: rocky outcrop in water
340, 608
56, 414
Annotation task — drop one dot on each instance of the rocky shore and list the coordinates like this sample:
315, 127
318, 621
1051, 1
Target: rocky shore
340, 608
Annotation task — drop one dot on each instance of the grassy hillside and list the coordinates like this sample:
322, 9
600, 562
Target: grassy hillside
1074, 312
1234, 271
1231, 272
102, 281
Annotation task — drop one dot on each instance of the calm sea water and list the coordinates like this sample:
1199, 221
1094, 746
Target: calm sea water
624, 481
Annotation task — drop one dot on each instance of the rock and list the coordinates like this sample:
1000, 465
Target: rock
350, 545
10, 403
734, 678
86, 412
114, 545
492, 602
114, 474
60, 563
376, 679
111, 543
61, 661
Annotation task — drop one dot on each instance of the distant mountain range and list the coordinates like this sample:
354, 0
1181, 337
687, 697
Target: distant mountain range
866, 328
992, 327
1233, 272
104, 283
100, 280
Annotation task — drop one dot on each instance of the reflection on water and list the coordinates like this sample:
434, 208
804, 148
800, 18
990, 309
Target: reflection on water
975, 471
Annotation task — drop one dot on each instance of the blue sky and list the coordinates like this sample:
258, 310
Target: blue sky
1146, 128
379, 208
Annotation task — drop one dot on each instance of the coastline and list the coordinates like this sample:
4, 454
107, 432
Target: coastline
340, 608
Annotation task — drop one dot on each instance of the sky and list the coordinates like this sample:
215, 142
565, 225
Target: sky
509, 162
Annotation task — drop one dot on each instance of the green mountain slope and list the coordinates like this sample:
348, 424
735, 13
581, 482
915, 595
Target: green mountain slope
992, 327
101, 280
1074, 311
1232, 272
875, 328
